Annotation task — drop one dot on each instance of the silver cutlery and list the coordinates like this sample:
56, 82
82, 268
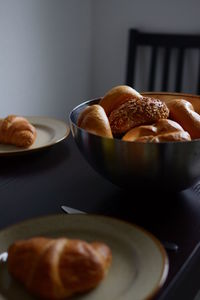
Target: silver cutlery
196, 189
3, 257
70, 210
168, 245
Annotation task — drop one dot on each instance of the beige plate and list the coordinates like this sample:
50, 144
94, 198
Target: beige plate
139, 266
49, 132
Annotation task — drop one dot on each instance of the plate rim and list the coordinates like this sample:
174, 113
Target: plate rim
156, 241
19, 150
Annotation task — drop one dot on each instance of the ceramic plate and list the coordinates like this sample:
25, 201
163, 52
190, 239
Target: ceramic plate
139, 265
49, 132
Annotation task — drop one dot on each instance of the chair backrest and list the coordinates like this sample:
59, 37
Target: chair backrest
168, 42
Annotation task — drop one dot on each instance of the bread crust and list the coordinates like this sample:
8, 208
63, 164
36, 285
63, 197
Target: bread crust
17, 130
136, 112
183, 112
164, 130
94, 119
58, 268
117, 96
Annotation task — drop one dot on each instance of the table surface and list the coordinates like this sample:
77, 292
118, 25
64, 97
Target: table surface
39, 183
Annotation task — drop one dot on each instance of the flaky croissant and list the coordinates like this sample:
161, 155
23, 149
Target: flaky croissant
16, 130
58, 268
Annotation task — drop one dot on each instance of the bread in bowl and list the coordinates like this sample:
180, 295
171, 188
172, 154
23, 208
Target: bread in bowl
94, 119
164, 130
117, 96
183, 112
136, 112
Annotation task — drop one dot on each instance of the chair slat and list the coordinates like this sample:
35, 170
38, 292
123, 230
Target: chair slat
179, 70
198, 77
153, 65
166, 69
131, 59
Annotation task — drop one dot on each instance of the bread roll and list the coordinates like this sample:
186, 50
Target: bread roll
94, 119
117, 96
18, 131
136, 112
164, 130
183, 112
58, 268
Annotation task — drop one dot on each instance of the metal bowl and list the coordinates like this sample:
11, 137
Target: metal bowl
135, 165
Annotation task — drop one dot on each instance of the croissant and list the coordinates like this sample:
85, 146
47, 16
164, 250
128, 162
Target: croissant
17, 131
58, 268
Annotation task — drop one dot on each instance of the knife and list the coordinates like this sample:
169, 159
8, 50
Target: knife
69, 210
3, 257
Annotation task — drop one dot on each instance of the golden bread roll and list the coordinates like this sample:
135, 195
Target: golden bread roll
176, 136
117, 96
182, 111
164, 130
16, 130
136, 112
58, 268
94, 119
195, 103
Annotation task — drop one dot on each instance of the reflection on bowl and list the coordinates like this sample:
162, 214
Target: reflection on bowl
135, 165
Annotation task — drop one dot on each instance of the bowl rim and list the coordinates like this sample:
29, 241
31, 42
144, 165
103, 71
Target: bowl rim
171, 94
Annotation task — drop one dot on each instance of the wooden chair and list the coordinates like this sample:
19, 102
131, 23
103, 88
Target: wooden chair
167, 42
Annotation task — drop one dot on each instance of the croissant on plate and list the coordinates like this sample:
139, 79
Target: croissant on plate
16, 130
58, 268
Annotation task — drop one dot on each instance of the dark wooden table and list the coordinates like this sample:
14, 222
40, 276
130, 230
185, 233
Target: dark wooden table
37, 184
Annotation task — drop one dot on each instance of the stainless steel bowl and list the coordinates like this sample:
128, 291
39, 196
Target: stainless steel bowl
153, 166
